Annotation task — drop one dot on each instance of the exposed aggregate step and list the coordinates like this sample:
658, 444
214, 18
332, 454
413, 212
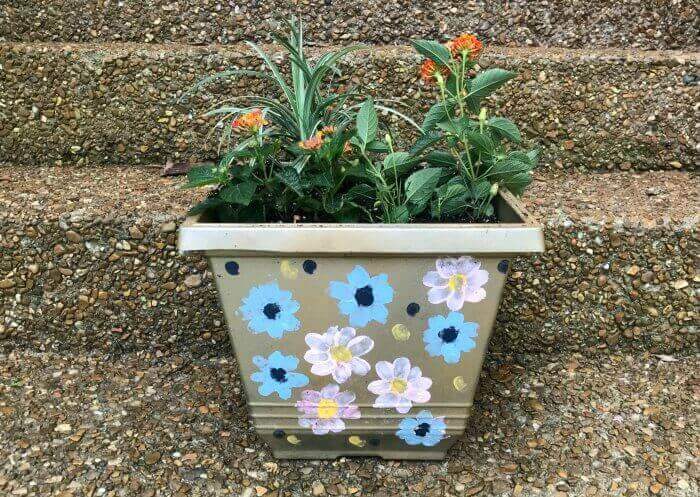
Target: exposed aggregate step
646, 24
118, 103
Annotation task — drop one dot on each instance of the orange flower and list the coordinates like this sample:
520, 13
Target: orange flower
313, 143
327, 130
251, 121
347, 148
465, 44
429, 71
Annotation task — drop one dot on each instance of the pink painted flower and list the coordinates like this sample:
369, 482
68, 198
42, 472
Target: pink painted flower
400, 385
337, 352
456, 281
325, 411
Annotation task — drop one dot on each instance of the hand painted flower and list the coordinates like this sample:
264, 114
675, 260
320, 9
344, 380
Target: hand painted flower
424, 429
449, 336
337, 352
276, 374
399, 386
364, 297
325, 411
270, 310
456, 281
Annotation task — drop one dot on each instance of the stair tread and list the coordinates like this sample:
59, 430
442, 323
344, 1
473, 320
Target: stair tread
648, 198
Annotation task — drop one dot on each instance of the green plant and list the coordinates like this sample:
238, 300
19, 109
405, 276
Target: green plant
318, 156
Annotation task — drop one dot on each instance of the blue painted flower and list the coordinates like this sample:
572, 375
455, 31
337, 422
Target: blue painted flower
277, 375
449, 336
364, 297
270, 310
424, 429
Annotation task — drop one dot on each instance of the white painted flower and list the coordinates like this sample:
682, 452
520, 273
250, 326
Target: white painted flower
338, 353
400, 385
324, 411
456, 281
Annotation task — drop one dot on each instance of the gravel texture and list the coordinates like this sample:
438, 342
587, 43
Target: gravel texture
88, 262
117, 104
648, 24
143, 424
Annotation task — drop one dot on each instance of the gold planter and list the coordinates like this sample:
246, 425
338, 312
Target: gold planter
361, 339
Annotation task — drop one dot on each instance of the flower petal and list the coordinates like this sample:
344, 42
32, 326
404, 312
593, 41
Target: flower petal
315, 357
344, 335
360, 345
322, 368
379, 387
358, 277
359, 366
387, 401
433, 279
330, 391
446, 267
342, 372
316, 341
474, 294
385, 370
466, 264
402, 366
341, 291
403, 405
438, 295
478, 278
455, 301
345, 398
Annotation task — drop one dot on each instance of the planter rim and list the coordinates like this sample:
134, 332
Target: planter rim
517, 233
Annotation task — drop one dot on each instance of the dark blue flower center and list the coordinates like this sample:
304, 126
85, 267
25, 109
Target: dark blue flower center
412, 309
364, 296
271, 310
422, 429
449, 335
278, 374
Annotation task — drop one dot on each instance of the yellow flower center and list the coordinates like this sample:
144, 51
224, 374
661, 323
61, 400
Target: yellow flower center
327, 408
340, 353
398, 385
456, 282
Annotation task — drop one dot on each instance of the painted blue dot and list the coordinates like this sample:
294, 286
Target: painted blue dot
412, 309
309, 266
503, 266
232, 267
278, 433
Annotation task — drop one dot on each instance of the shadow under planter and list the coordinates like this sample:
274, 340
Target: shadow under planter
361, 340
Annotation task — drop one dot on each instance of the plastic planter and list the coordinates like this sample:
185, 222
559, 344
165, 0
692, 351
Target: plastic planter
361, 339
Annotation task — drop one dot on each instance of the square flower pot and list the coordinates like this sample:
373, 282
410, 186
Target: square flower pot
361, 340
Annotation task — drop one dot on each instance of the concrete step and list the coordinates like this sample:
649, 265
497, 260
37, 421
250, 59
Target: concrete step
116, 104
89, 262
647, 24
602, 425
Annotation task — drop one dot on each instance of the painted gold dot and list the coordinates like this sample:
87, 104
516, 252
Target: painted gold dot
293, 439
356, 441
459, 383
288, 271
401, 332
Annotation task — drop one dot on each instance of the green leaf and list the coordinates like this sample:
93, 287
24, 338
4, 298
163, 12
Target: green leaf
204, 175
481, 189
424, 142
455, 126
436, 114
398, 214
482, 142
290, 177
534, 156
516, 183
507, 167
361, 192
506, 128
378, 147
485, 83
441, 158
366, 123
333, 204
452, 200
433, 50
239, 193
420, 185
397, 161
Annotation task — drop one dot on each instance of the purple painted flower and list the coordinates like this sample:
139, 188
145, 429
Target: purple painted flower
325, 411
456, 281
337, 352
400, 385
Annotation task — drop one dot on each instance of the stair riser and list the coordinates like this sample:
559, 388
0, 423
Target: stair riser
581, 293
648, 24
117, 104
